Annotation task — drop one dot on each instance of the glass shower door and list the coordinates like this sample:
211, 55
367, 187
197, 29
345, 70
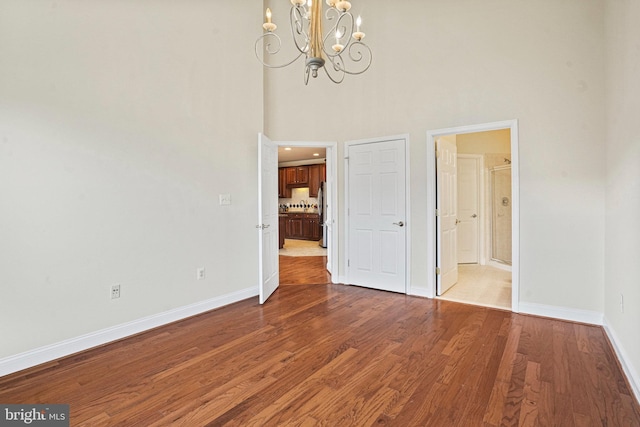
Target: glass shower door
501, 214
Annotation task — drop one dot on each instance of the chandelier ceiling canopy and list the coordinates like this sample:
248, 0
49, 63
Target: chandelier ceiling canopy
338, 52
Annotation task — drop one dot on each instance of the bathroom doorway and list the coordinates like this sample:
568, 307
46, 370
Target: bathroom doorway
478, 250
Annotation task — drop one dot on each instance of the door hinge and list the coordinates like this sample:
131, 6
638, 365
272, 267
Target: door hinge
348, 263
437, 212
437, 270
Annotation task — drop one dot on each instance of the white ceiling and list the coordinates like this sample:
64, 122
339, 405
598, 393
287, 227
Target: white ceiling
300, 153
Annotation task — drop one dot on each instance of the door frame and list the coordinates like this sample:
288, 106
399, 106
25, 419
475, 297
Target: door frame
407, 198
432, 135
332, 181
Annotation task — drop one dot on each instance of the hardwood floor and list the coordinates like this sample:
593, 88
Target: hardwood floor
306, 270
337, 355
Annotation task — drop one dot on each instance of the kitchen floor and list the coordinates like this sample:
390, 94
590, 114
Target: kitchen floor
481, 285
293, 247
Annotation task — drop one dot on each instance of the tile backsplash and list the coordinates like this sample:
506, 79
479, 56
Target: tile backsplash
297, 195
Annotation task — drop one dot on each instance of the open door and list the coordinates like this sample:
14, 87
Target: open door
268, 274
447, 216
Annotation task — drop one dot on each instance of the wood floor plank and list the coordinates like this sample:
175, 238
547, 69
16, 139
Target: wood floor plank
531, 396
328, 355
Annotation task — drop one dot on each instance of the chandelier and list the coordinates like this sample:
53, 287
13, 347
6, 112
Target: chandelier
344, 40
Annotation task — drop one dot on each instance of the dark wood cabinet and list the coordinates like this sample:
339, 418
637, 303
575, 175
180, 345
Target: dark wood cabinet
294, 227
284, 192
302, 226
311, 228
317, 174
297, 176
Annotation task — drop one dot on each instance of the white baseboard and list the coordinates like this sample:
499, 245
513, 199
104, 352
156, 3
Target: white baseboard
420, 292
337, 279
628, 368
562, 313
57, 350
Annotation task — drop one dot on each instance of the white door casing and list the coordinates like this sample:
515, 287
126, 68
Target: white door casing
331, 195
268, 272
431, 233
468, 209
377, 214
446, 204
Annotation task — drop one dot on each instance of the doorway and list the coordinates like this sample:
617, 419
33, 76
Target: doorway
488, 269
308, 250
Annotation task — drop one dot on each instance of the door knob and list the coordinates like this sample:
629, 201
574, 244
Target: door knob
474, 215
399, 224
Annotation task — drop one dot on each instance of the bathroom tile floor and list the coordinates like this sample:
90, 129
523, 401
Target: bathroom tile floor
481, 285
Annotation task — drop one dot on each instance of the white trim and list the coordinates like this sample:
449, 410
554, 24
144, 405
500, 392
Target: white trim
563, 313
499, 265
64, 348
515, 195
331, 161
345, 152
628, 368
419, 292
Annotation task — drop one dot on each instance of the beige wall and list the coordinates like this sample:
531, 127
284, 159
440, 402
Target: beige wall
120, 123
540, 63
496, 141
622, 248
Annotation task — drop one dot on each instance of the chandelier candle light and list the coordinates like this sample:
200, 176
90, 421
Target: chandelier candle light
306, 18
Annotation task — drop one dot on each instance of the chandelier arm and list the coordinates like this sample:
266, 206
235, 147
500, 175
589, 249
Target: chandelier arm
356, 55
332, 13
345, 29
298, 20
337, 67
307, 72
342, 28
271, 51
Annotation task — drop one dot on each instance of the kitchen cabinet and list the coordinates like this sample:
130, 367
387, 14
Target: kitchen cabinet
297, 176
302, 226
311, 228
294, 227
283, 190
317, 174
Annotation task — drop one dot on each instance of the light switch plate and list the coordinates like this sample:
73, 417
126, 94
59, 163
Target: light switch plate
225, 199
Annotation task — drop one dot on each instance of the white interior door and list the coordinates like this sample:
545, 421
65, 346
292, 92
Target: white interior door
267, 217
446, 220
468, 209
377, 214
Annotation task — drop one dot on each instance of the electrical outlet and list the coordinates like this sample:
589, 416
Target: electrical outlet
200, 273
115, 291
225, 199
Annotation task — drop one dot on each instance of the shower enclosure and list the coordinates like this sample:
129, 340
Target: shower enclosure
500, 182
